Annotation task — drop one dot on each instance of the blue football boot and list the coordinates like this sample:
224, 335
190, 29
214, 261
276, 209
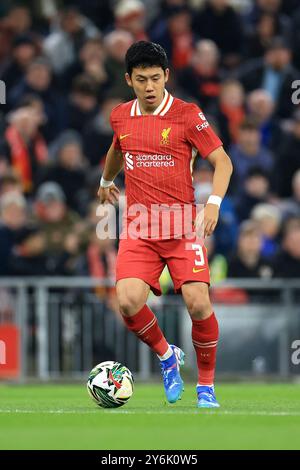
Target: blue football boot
170, 370
206, 397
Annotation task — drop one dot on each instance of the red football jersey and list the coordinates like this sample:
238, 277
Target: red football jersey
159, 151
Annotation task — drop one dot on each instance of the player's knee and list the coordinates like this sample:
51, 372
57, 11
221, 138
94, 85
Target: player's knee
199, 308
129, 303
197, 301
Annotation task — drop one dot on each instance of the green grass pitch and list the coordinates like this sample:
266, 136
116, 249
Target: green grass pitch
64, 417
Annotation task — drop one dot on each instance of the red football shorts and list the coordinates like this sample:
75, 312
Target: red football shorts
145, 259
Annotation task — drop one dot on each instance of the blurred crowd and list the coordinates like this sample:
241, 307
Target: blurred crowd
63, 66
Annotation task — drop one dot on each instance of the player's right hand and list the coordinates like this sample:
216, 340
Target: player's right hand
110, 195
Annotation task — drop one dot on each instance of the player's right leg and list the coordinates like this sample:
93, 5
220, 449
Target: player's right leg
132, 295
139, 266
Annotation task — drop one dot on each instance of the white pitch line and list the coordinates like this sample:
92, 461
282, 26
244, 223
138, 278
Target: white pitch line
156, 412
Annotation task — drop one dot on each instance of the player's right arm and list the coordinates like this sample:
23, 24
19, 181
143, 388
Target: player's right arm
113, 165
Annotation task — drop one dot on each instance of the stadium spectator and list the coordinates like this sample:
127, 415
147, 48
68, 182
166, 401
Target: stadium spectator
268, 218
100, 11
13, 209
177, 36
34, 102
130, 17
16, 22
24, 147
68, 169
219, 22
248, 153
9, 182
247, 261
15, 233
90, 62
269, 7
230, 111
38, 81
274, 73
256, 190
83, 102
69, 33
260, 108
116, 44
201, 78
24, 50
287, 264
159, 15
61, 233
266, 28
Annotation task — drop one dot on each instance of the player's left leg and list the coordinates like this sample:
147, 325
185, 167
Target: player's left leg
188, 266
205, 333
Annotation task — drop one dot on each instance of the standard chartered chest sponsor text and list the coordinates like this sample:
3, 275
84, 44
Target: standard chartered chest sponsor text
154, 160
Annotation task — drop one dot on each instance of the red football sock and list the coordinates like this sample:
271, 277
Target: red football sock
145, 326
205, 335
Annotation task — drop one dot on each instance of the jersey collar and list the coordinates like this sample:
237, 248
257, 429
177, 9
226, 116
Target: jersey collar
161, 110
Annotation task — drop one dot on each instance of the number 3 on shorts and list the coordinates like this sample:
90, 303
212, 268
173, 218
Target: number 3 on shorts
199, 252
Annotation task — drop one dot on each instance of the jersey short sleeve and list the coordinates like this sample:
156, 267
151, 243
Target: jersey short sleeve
199, 132
115, 142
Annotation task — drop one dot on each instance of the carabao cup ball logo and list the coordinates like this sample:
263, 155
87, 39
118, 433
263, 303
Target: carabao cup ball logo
110, 384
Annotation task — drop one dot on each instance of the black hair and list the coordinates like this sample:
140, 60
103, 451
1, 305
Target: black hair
145, 54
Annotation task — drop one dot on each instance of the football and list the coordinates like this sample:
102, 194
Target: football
110, 384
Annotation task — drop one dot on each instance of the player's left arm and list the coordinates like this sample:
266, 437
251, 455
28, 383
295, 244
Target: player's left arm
202, 137
222, 173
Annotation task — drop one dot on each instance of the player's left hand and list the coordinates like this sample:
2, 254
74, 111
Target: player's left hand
211, 216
